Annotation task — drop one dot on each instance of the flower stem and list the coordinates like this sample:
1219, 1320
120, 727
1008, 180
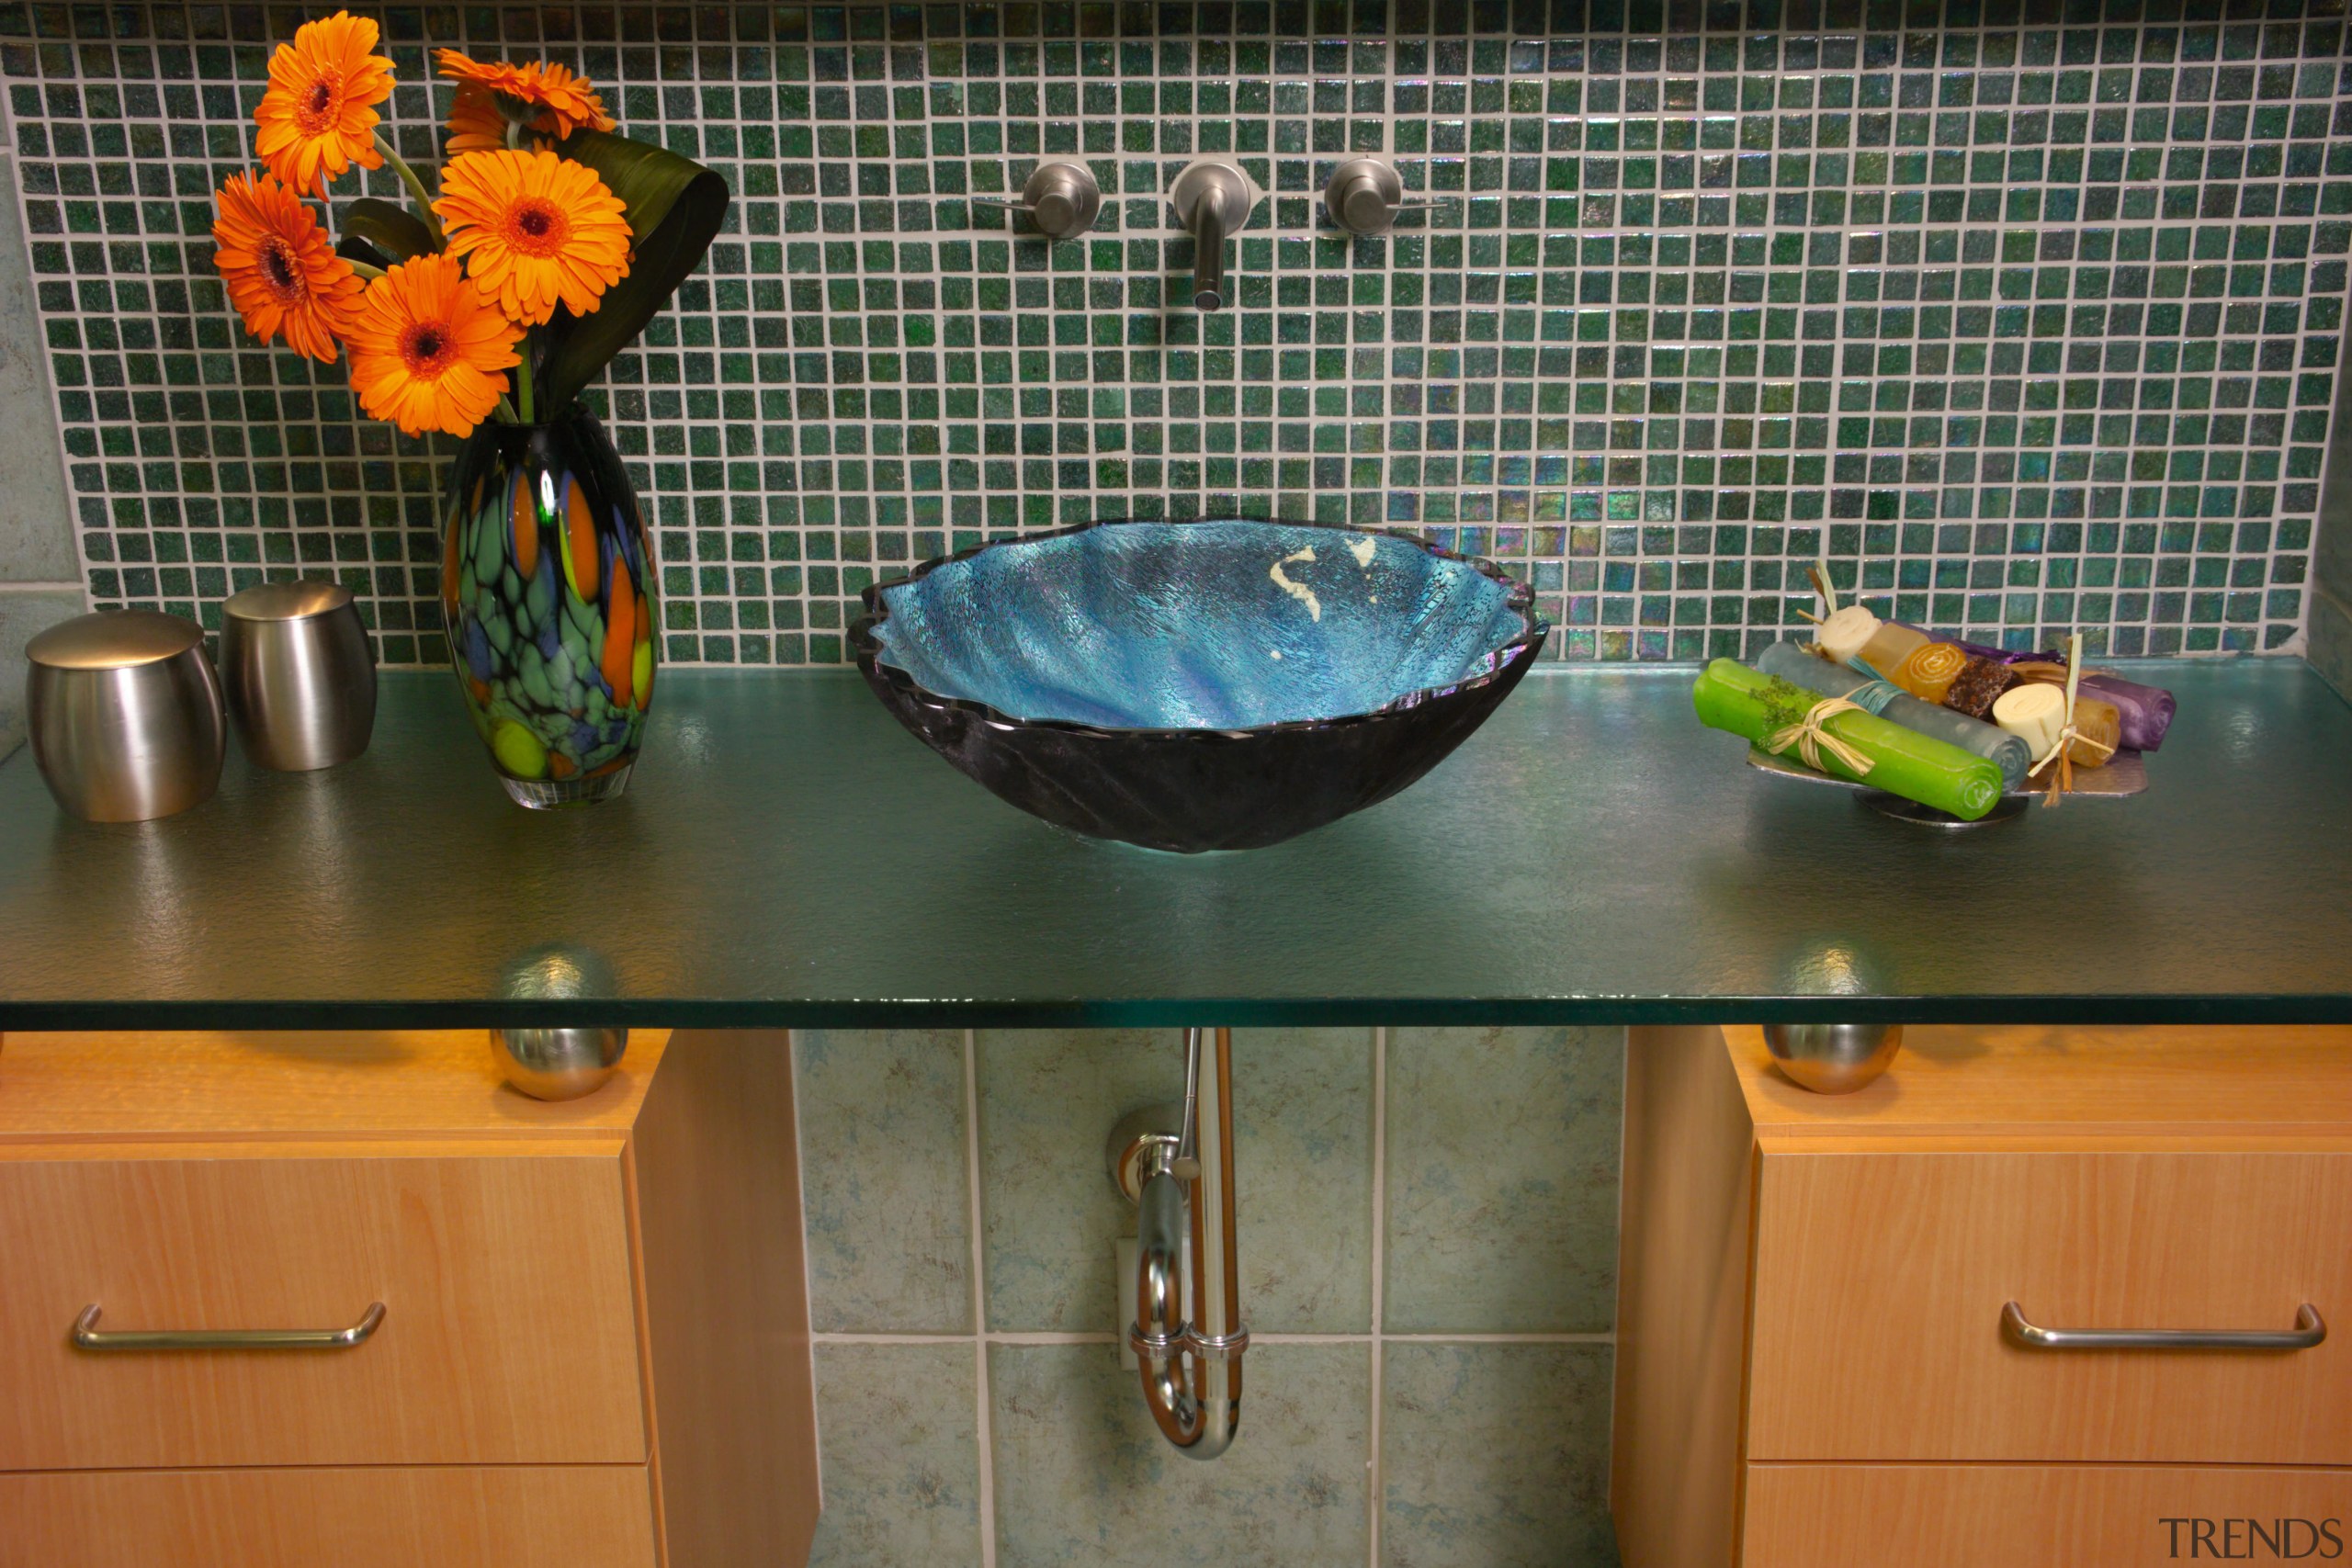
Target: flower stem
522, 376
416, 189
363, 269
506, 411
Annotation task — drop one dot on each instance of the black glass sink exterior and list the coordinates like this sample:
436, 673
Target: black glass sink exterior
1221, 685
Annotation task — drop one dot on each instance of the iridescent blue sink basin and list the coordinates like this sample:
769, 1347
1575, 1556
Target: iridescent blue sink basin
1213, 686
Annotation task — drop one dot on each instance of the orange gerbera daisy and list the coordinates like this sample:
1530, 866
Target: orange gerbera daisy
427, 352
475, 124
281, 269
318, 116
546, 99
536, 231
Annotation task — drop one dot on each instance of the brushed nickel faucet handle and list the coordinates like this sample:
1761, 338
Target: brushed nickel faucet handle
1364, 195
1061, 197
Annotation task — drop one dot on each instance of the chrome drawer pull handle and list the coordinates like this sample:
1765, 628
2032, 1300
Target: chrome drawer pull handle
87, 1338
2308, 1331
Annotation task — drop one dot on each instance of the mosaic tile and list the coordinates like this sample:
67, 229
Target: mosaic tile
1495, 1456
1083, 1476
886, 1214
2028, 310
1502, 1179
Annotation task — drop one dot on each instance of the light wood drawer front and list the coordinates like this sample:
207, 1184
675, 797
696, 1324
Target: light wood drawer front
1967, 1515
513, 1516
1880, 1280
508, 1337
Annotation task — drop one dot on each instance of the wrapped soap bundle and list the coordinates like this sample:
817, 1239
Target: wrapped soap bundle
1836, 735
1909, 708
1977, 683
2143, 713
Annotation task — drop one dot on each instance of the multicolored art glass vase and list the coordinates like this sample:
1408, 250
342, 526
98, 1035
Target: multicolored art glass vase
546, 589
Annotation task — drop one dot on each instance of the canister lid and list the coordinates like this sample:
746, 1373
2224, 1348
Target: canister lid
114, 639
286, 601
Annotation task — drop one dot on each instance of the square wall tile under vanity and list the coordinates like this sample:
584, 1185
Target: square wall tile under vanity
1495, 1456
1082, 1476
1500, 1195
901, 1468
887, 1209
1502, 1181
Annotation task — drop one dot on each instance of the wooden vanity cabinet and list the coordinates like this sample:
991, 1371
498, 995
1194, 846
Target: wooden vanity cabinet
593, 1346
1812, 1369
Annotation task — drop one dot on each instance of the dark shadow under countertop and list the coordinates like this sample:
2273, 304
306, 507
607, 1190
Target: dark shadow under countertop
786, 856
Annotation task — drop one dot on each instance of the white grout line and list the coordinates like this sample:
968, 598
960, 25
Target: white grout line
1379, 1282
808, 1282
979, 1336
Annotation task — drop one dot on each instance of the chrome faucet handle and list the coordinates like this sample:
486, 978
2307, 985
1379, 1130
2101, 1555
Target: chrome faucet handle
1061, 197
1364, 195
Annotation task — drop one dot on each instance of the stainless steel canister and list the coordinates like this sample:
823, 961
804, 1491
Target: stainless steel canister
301, 677
125, 713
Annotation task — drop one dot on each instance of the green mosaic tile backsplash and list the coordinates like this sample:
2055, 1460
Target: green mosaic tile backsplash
2029, 308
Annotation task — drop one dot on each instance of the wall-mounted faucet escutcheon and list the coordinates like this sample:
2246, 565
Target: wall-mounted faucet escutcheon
1364, 196
1062, 199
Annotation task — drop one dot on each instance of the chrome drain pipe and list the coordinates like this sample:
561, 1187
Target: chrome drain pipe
1190, 1370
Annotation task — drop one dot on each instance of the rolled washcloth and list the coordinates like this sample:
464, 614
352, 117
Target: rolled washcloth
1755, 706
2143, 712
2004, 750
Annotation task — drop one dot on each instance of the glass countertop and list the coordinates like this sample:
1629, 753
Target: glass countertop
787, 855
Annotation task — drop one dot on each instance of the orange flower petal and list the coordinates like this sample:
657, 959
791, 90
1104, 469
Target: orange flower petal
318, 117
537, 231
280, 268
416, 356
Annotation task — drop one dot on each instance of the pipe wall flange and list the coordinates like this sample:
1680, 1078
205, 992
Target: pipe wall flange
1142, 1146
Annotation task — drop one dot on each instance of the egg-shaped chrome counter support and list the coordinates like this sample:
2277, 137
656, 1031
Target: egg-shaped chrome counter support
563, 1060
558, 1064
1833, 1059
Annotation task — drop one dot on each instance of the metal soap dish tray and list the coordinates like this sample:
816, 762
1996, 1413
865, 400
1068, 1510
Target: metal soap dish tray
2123, 774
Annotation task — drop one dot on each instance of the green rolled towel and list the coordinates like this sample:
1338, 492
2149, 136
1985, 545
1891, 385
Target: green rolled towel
1759, 707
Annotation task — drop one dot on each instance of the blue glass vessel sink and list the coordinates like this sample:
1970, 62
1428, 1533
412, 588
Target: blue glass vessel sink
1213, 686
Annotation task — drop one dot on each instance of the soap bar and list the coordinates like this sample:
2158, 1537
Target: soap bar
1845, 633
1928, 673
2143, 713
1978, 685
2005, 752
2098, 730
1889, 646
2034, 714
1756, 706
2146, 712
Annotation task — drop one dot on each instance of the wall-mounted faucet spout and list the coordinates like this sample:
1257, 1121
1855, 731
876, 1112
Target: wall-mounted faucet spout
1190, 1370
1213, 199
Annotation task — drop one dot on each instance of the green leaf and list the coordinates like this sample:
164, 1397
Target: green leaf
674, 208
387, 229
352, 249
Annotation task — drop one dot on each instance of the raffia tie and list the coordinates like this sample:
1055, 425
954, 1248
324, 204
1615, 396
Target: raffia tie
2062, 750
1810, 738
